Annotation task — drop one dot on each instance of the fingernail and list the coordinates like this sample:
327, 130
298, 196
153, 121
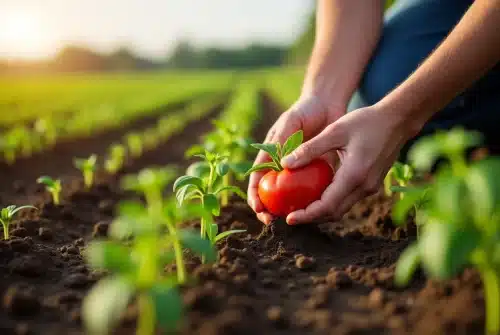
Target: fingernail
288, 161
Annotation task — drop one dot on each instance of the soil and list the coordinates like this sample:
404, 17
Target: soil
322, 278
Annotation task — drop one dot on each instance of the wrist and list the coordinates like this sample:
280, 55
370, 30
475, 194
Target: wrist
406, 110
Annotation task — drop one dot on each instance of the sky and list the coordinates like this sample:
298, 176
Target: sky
33, 29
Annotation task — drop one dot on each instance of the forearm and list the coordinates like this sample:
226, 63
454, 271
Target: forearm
347, 32
470, 50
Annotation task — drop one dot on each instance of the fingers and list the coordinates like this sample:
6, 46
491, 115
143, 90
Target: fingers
329, 139
265, 217
253, 184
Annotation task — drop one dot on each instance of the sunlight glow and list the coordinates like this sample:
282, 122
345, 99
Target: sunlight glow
23, 34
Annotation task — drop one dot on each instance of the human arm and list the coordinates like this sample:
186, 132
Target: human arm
369, 139
334, 70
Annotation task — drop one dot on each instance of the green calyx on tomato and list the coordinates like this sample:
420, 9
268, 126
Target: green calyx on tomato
282, 190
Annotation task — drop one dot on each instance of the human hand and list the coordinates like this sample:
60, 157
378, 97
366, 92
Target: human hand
309, 114
368, 141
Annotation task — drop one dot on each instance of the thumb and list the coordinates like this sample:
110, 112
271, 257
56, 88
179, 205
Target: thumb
329, 139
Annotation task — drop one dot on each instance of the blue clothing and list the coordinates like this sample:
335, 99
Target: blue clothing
412, 30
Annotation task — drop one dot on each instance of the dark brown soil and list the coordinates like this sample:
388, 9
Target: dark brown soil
323, 278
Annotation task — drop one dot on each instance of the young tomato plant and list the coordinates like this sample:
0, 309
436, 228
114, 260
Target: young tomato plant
115, 159
53, 187
283, 191
203, 189
87, 167
7, 215
134, 144
137, 269
227, 140
400, 173
151, 182
462, 216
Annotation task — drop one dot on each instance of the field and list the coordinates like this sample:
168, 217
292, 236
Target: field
324, 278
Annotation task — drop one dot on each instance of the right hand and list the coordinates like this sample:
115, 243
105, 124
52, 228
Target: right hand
309, 114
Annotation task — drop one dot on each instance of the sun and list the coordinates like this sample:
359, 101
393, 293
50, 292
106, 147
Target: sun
23, 34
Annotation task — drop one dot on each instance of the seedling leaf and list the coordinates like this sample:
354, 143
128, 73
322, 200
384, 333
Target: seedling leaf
188, 180
198, 245
292, 143
227, 233
167, 304
407, 265
233, 189
103, 307
263, 166
109, 256
211, 204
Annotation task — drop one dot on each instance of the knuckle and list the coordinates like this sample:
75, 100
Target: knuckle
304, 151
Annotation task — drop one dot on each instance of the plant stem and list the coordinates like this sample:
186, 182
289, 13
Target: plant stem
179, 260
88, 178
55, 198
491, 284
202, 228
226, 180
146, 318
5, 231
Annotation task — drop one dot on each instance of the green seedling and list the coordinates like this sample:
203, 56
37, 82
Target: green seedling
203, 189
226, 140
9, 146
137, 269
400, 173
462, 220
134, 144
53, 186
7, 215
48, 130
87, 167
115, 159
151, 182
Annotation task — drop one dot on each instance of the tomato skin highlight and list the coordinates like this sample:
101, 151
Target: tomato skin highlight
289, 190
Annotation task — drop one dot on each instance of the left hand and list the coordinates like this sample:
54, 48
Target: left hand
367, 141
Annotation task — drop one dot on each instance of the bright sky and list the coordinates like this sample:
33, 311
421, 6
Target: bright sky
36, 28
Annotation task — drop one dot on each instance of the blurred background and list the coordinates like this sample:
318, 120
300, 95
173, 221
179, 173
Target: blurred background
53, 36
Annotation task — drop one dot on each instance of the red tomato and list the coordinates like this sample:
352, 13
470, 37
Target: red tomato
286, 191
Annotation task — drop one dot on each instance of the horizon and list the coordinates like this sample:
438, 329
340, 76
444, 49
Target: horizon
31, 30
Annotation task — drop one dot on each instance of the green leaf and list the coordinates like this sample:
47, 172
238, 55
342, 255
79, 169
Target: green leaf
211, 204
233, 189
109, 256
403, 206
407, 265
222, 169
292, 143
445, 249
198, 169
483, 183
449, 199
167, 303
105, 304
263, 166
271, 149
194, 150
198, 245
241, 167
186, 192
424, 153
212, 231
47, 181
227, 233
14, 210
457, 140
188, 180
